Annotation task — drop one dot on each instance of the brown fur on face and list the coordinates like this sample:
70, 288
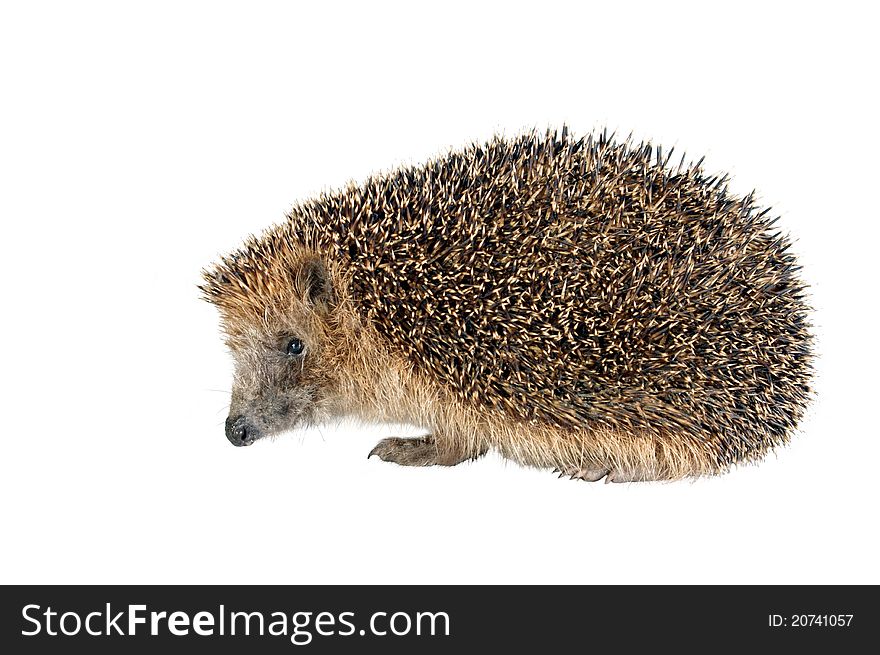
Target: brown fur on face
263, 307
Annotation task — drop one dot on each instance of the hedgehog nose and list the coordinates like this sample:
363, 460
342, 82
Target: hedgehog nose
239, 432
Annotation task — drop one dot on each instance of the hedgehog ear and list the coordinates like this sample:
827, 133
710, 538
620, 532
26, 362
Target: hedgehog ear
318, 286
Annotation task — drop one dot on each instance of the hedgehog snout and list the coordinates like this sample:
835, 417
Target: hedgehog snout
240, 432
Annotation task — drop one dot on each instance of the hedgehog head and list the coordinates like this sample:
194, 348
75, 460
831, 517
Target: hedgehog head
277, 313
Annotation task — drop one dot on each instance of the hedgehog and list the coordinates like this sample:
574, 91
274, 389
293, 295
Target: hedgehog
583, 305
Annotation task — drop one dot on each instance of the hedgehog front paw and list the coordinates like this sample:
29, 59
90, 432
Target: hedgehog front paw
421, 451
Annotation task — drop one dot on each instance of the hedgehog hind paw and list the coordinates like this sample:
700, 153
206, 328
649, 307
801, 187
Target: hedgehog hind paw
632, 476
587, 474
421, 451
611, 475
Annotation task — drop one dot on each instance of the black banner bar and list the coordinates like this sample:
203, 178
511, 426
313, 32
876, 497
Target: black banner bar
278, 619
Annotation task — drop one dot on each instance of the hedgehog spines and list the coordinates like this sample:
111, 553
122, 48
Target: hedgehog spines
573, 283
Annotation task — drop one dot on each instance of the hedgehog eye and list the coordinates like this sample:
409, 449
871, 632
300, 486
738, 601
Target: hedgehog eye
295, 347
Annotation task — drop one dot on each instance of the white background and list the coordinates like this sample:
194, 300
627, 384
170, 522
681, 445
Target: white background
138, 142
